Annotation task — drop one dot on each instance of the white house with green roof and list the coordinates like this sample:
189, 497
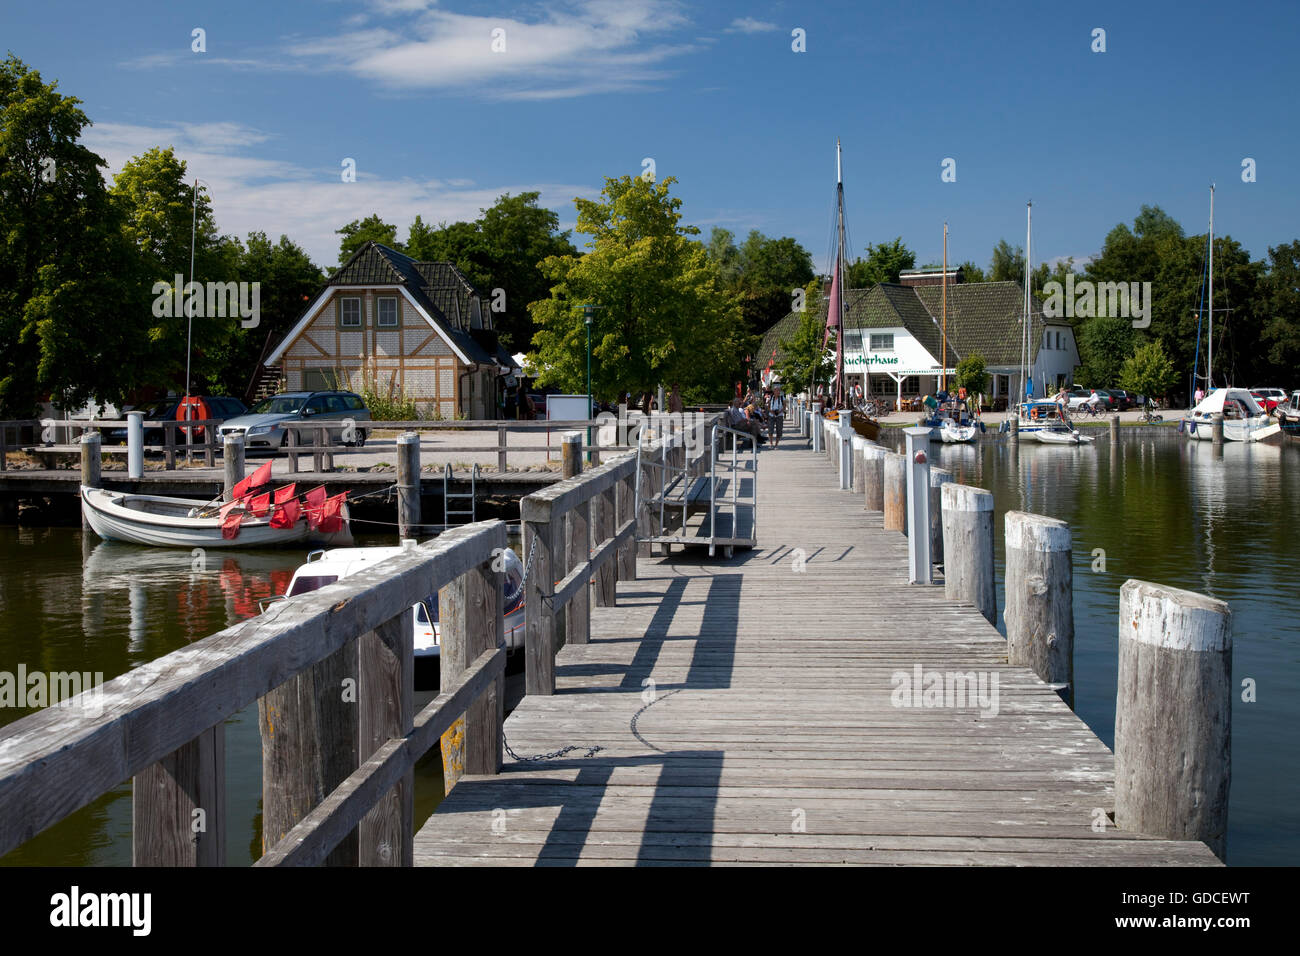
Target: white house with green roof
893, 335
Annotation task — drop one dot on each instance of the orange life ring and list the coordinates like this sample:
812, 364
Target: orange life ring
199, 413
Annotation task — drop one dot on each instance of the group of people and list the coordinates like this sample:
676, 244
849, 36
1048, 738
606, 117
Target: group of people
759, 414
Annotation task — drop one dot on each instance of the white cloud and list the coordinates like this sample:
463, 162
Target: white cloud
251, 192
750, 25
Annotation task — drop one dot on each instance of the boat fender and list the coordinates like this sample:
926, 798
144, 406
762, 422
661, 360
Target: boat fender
982, 428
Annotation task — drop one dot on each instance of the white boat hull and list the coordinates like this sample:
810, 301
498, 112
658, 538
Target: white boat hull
1049, 436
164, 523
954, 434
1258, 428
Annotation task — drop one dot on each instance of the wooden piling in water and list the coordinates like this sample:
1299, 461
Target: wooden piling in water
571, 453
1040, 598
938, 478
1216, 430
232, 461
408, 484
1173, 715
1013, 431
90, 467
1114, 428
895, 506
968, 547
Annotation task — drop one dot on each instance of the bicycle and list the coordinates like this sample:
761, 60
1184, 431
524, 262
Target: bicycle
1148, 413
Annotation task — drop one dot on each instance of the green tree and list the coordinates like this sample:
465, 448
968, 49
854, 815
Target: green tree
725, 256
1148, 371
970, 272
1008, 264
1105, 343
972, 375
70, 302
884, 263
360, 231
499, 250
1280, 312
662, 317
806, 360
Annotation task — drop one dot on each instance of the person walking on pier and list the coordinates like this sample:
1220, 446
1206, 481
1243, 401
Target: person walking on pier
775, 416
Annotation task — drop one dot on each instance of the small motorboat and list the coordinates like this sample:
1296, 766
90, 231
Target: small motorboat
1243, 419
327, 567
184, 523
1288, 416
1046, 422
953, 433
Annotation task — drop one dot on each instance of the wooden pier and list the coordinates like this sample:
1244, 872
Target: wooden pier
743, 711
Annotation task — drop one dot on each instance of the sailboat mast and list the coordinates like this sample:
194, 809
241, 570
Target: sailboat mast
1209, 355
1024, 332
943, 335
839, 265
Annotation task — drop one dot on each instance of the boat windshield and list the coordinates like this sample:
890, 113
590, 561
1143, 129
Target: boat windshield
311, 583
278, 405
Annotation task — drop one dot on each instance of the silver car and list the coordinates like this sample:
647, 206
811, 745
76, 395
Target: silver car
263, 425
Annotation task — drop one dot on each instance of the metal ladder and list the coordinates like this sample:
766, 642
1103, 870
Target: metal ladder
448, 495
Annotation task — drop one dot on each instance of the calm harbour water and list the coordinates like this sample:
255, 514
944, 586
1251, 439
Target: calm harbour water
1168, 510
1162, 509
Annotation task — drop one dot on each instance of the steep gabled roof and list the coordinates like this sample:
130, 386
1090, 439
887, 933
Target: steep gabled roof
985, 317
427, 282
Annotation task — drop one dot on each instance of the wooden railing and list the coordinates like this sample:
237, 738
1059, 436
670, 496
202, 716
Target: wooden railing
333, 674
583, 530
171, 446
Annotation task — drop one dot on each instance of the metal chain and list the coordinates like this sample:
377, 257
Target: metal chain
528, 565
591, 751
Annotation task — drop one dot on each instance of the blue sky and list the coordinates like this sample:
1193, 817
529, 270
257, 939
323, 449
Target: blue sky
440, 125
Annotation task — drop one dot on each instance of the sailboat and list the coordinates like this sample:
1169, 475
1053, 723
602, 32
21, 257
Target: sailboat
952, 421
1043, 421
1243, 418
836, 315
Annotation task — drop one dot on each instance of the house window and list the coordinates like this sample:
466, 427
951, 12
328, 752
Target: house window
386, 313
853, 340
882, 342
319, 379
911, 384
350, 313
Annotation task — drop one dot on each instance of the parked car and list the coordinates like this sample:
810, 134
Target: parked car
1079, 397
1269, 398
1124, 400
262, 426
219, 406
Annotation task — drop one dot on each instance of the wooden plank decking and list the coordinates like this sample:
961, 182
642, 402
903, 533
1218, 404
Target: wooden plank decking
771, 736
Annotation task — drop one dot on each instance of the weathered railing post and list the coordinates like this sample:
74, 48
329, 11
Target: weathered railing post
317, 451
210, 445
895, 505
1173, 715
169, 445
232, 461
873, 476
577, 546
542, 549
1040, 598
502, 436
135, 445
968, 548
603, 525
624, 511
918, 504
291, 449
408, 484
178, 805
938, 478
309, 726
386, 704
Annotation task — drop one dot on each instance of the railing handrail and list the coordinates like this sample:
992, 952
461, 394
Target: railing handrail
56, 761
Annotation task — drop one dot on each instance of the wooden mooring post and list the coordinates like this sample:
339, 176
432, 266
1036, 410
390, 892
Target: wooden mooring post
873, 477
1114, 428
1040, 599
938, 478
232, 461
90, 467
1173, 715
895, 500
408, 484
968, 548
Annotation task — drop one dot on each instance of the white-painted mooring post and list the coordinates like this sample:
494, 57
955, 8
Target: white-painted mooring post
1040, 599
846, 450
1173, 715
918, 505
968, 548
815, 425
135, 445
